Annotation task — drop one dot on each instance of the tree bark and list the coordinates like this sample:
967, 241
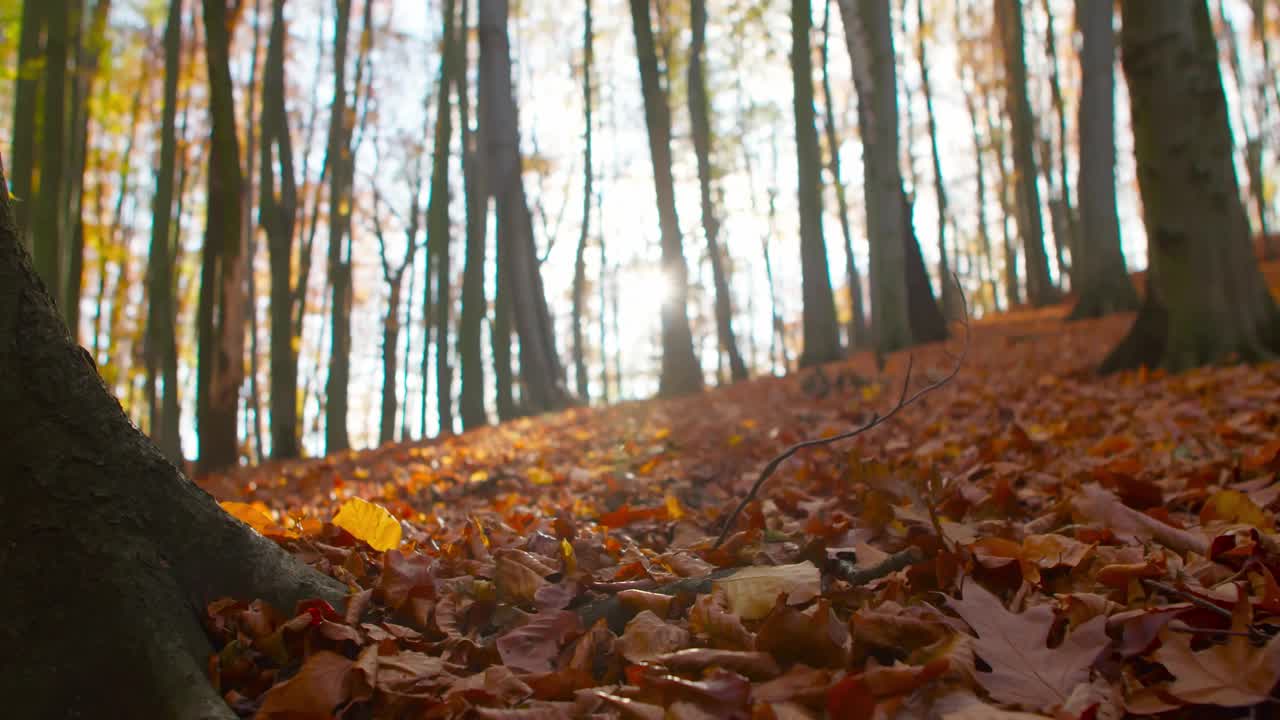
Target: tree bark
161, 345
438, 238
474, 303
1040, 290
681, 372
1068, 227
98, 524
581, 381
927, 322
946, 285
858, 314
1206, 299
1100, 279
821, 331
336, 385
220, 316
699, 109
869, 36
26, 109
51, 242
541, 374
278, 215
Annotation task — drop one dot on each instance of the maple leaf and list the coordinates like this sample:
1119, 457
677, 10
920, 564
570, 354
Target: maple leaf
1233, 674
1025, 671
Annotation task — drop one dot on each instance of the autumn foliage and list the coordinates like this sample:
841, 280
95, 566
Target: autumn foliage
1032, 540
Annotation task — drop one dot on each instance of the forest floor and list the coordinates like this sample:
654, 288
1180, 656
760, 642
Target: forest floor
1029, 537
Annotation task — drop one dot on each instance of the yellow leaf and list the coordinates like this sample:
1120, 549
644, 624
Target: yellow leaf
570, 559
370, 523
538, 476
662, 434
1233, 506
752, 592
674, 510
360, 474
248, 514
735, 440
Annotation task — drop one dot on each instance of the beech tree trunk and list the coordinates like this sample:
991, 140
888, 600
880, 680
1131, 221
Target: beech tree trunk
681, 372
699, 109
336, 385
869, 36
438, 229
581, 381
26, 107
1099, 276
50, 229
474, 303
541, 374
1040, 290
1206, 299
220, 316
946, 283
161, 345
1066, 230
821, 331
116, 554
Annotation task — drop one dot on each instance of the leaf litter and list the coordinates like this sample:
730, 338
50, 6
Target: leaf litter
1029, 541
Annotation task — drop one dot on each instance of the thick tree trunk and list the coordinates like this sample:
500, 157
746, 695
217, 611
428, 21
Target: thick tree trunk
869, 35
336, 385
857, 313
474, 304
681, 372
1040, 290
541, 375
162, 351
220, 317
278, 215
97, 524
821, 331
1100, 279
1206, 299
699, 109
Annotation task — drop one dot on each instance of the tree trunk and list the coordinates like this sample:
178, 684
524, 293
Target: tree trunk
438, 226
161, 345
979, 154
858, 314
699, 109
1206, 299
927, 321
1040, 290
26, 108
336, 385
541, 375
51, 241
869, 36
1066, 233
220, 317
821, 331
277, 211
116, 530
581, 381
474, 304
1013, 293
946, 284
681, 372
1100, 279
1269, 243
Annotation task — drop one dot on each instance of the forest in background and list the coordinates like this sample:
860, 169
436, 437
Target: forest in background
384, 320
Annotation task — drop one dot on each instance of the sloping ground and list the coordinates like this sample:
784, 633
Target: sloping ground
1029, 537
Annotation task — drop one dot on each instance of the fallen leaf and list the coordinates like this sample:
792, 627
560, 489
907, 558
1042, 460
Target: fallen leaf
370, 523
320, 685
1231, 674
752, 592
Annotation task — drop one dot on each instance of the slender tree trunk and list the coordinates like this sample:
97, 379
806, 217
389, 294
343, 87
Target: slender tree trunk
220, 317
438, 237
1069, 227
1100, 278
869, 36
541, 375
858, 315
1206, 299
51, 239
253, 403
277, 212
996, 132
580, 257
336, 386
1040, 290
1252, 132
681, 373
1270, 244
162, 353
26, 109
821, 332
980, 179
474, 303
699, 109
945, 282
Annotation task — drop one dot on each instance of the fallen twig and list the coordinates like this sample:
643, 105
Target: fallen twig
903, 401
